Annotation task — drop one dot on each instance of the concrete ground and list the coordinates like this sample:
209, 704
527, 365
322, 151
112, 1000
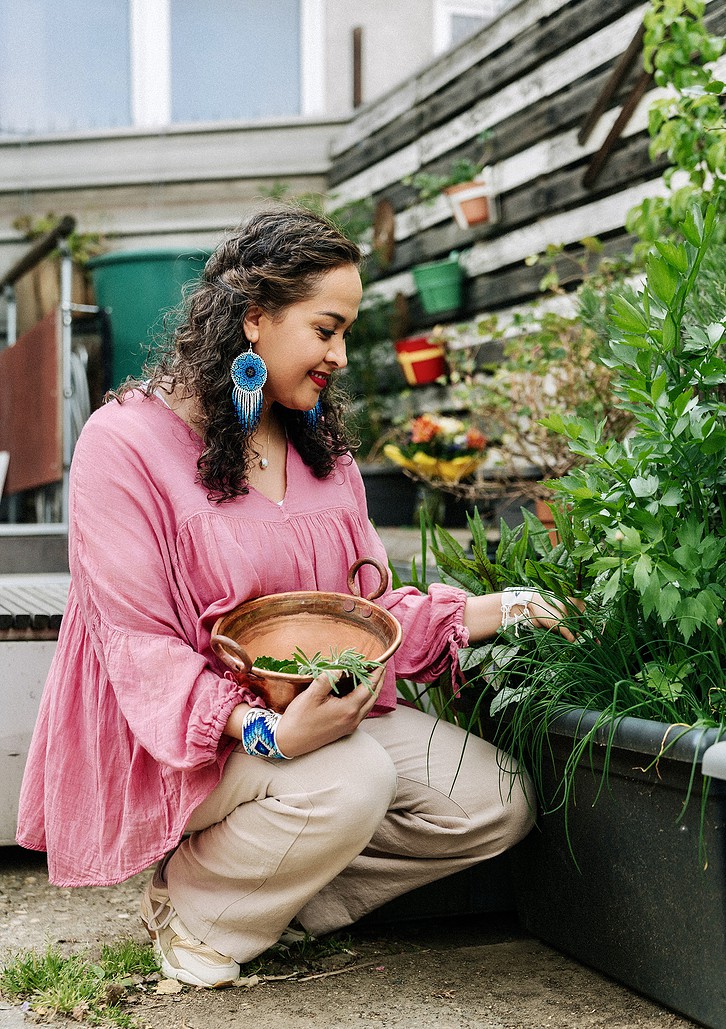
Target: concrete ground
464, 972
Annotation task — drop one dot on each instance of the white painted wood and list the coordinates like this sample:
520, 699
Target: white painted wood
208, 153
23, 669
592, 219
150, 63
312, 58
548, 78
444, 70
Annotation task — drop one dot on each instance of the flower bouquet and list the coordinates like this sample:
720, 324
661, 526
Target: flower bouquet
441, 449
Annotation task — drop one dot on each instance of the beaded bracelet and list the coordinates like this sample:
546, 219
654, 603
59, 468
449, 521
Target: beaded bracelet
259, 727
515, 596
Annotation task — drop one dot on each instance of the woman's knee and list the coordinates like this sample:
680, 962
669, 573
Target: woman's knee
520, 804
366, 780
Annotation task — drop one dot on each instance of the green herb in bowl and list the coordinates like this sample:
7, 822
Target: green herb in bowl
356, 668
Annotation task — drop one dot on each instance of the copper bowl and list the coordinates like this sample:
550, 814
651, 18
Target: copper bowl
313, 621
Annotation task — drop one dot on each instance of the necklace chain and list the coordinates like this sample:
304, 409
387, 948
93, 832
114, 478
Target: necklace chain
264, 461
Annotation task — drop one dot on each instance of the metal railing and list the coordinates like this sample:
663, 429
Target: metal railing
55, 239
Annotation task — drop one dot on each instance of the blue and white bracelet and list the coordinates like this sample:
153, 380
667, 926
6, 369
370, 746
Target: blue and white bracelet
259, 729
515, 596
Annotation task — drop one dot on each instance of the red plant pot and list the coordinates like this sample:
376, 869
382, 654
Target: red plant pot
422, 360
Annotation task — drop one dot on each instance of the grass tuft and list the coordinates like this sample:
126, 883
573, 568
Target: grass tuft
87, 991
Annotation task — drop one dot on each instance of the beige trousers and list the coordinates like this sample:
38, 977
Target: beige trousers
330, 836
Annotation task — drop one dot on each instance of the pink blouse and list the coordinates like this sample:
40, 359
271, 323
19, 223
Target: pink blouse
129, 737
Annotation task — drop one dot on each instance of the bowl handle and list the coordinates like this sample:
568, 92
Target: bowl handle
379, 568
238, 660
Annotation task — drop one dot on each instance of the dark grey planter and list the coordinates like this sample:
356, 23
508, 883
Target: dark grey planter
391, 494
641, 908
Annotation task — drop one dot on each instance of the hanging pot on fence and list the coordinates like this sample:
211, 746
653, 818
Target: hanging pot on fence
439, 284
421, 359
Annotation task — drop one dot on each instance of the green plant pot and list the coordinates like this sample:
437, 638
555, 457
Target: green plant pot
439, 285
641, 907
138, 287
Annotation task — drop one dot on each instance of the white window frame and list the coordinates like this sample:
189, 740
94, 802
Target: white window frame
444, 10
150, 32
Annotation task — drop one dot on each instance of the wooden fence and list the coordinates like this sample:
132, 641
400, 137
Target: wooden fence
529, 82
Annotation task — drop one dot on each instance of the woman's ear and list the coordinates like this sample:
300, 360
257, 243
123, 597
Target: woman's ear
251, 323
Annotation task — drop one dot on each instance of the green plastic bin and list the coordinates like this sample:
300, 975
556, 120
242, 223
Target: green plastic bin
138, 287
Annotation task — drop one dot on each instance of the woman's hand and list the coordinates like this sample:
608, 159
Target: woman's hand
483, 615
318, 716
549, 613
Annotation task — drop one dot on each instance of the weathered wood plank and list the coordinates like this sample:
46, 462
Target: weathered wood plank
549, 78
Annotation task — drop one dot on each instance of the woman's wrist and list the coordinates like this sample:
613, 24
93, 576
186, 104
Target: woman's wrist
484, 616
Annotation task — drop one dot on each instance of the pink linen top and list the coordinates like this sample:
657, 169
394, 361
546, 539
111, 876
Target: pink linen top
128, 740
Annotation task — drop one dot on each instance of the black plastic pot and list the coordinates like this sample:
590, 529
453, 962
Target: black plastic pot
391, 494
641, 908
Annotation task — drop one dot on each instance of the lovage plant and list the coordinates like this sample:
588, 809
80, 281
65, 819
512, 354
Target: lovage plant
642, 531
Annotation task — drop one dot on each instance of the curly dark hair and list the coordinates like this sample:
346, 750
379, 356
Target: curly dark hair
273, 260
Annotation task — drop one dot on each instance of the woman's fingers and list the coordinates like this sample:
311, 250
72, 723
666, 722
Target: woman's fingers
318, 716
548, 613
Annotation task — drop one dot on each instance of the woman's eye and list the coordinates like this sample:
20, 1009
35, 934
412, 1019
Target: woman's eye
326, 333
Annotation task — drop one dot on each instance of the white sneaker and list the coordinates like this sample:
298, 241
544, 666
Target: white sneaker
181, 955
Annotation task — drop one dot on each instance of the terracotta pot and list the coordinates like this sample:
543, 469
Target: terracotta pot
470, 203
314, 621
421, 360
543, 511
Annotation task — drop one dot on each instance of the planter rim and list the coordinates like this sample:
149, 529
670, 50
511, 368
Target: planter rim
643, 735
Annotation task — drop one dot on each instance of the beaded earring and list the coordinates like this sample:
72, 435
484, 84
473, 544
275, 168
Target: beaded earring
249, 374
311, 417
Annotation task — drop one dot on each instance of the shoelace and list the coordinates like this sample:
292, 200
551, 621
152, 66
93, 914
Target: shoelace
155, 923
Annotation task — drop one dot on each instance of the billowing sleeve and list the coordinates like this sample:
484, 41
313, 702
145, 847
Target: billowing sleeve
122, 559
433, 622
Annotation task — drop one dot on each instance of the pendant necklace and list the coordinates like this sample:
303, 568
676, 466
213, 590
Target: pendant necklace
263, 460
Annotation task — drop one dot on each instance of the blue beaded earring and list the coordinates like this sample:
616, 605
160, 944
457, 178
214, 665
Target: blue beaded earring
311, 417
249, 374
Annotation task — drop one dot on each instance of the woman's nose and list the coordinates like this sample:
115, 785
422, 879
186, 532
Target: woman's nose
337, 353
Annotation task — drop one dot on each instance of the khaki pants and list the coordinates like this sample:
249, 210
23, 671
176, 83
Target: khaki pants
330, 836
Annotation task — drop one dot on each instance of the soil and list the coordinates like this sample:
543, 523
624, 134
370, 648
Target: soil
478, 972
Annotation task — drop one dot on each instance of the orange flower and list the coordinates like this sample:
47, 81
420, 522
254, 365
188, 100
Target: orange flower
475, 440
423, 429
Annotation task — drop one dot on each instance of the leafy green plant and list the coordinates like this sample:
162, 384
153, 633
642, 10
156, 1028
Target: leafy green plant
641, 536
82, 245
428, 185
687, 125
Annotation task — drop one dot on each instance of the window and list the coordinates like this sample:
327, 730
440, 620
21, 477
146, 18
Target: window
456, 20
81, 65
64, 65
234, 60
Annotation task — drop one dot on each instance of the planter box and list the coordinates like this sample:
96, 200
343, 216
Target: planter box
641, 908
391, 494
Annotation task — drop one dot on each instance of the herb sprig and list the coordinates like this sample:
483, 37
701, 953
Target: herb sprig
351, 662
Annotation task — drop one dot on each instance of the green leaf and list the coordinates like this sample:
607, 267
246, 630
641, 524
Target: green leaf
645, 485
642, 572
670, 332
667, 602
675, 255
662, 279
628, 317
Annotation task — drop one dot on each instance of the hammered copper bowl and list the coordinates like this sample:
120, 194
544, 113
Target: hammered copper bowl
275, 626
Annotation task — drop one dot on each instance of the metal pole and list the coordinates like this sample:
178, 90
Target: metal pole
66, 272
11, 314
